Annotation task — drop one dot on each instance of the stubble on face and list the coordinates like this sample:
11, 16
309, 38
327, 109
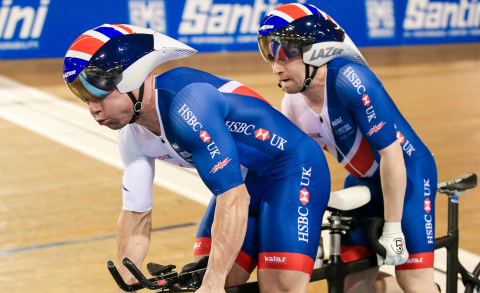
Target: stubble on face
291, 75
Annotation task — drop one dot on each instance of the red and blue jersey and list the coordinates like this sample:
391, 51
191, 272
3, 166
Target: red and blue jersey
225, 130
358, 119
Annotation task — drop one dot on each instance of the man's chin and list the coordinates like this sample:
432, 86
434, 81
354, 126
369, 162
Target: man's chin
292, 91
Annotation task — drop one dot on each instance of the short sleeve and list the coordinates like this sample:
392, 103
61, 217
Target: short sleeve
362, 93
138, 173
197, 116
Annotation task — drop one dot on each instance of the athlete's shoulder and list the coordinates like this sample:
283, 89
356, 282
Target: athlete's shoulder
178, 78
345, 68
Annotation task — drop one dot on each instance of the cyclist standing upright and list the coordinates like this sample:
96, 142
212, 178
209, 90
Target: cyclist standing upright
332, 95
270, 191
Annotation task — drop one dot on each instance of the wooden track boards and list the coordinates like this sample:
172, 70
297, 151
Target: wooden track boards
58, 208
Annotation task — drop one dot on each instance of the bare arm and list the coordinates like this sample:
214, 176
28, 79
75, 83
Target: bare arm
228, 233
394, 181
133, 239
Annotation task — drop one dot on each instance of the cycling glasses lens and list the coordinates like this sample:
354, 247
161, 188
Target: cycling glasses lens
284, 44
94, 83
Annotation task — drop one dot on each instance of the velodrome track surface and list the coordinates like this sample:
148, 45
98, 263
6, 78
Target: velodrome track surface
60, 191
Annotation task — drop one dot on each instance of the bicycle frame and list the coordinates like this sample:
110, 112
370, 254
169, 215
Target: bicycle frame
335, 271
450, 242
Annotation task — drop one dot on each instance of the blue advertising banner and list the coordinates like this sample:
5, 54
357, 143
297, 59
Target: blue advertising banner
46, 28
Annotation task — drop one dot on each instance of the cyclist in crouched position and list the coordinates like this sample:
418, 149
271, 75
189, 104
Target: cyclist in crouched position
270, 180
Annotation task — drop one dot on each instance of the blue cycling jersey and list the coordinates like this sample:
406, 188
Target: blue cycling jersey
217, 124
358, 119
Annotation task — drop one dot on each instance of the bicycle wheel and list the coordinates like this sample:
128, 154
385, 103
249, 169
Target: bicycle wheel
471, 288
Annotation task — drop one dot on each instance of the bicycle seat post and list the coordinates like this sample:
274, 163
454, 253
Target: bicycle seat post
338, 225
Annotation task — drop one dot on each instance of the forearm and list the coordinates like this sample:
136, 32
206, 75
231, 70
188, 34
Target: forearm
228, 233
133, 240
394, 181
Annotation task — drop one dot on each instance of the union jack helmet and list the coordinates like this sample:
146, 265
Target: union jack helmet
116, 56
295, 29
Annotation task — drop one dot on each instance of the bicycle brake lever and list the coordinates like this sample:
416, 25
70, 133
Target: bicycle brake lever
159, 284
120, 282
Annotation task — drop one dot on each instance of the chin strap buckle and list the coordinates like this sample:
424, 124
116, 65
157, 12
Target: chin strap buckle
137, 105
308, 77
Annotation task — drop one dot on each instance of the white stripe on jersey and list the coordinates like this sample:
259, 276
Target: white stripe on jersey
230, 86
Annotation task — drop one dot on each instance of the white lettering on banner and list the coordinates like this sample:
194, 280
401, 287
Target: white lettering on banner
354, 79
429, 228
203, 17
303, 225
32, 22
149, 13
424, 14
380, 18
188, 116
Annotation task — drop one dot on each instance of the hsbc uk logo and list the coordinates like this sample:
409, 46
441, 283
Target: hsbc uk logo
304, 196
302, 220
427, 205
370, 111
204, 136
260, 133
405, 143
191, 119
212, 147
354, 80
366, 100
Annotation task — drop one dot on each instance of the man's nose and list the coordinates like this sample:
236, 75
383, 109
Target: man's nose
94, 106
277, 67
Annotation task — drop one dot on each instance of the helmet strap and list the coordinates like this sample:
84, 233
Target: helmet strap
137, 105
309, 79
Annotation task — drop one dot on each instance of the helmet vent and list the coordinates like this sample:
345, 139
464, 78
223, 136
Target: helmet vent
182, 53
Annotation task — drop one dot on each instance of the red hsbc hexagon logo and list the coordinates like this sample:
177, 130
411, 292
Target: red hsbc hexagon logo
204, 136
262, 134
400, 137
427, 205
366, 100
304, 196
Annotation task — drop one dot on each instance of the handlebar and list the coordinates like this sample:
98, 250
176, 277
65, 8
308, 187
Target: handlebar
372, 235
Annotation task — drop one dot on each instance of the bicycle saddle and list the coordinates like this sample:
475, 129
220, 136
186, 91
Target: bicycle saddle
156, 270
201, 264
349, 198
463, 182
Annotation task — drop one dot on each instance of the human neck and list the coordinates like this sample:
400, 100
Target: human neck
148, 116
314, 95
